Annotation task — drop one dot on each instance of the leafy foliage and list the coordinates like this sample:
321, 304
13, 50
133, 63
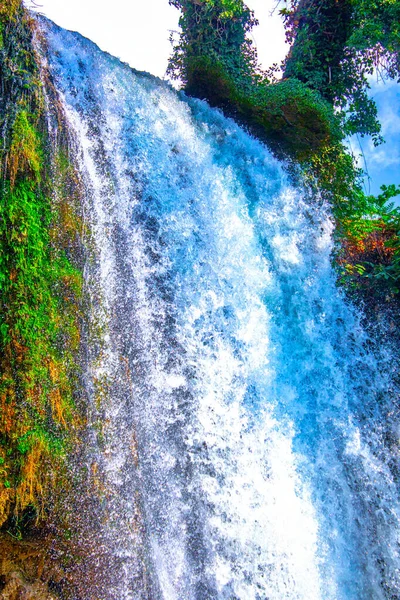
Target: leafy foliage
367, 227
217, 30
336, 45
376, 32
215, 60
369, 254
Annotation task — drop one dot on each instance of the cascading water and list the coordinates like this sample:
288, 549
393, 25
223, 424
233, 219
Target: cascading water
249, 437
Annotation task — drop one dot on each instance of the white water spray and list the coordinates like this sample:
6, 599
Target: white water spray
242, 417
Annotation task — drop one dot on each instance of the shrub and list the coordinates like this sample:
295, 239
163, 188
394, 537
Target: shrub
293, 119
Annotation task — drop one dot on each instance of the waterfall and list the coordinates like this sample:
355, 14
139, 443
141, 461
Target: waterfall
243, 425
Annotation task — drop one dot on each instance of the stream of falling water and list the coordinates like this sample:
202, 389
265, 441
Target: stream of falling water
245, 419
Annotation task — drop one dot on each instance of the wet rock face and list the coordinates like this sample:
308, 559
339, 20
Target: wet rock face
16, 587
25, 572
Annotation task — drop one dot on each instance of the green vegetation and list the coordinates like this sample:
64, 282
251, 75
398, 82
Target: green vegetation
216, 30
216, 61
39, 286
369, 253
335, 45
287, 115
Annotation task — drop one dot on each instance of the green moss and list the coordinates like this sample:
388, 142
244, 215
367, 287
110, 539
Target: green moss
39, 335
9, 9
40, 290
293, 119
25, 155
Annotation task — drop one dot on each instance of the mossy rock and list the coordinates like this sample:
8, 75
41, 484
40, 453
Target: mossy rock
40, 285
291, 118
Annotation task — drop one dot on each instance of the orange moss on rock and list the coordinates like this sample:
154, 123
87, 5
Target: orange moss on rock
10, 8
360, 254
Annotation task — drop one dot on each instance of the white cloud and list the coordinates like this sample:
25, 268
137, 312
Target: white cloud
135, 31
389, 114
382, 157
269, 35
138, 31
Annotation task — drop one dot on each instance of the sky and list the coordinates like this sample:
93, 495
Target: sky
382, 163
137, 32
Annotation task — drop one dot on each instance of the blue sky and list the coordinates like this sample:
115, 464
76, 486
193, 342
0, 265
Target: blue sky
383, 162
